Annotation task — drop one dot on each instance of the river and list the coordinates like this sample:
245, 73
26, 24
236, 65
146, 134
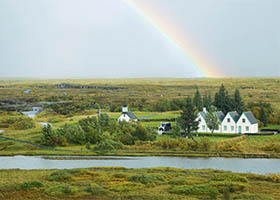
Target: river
257, 166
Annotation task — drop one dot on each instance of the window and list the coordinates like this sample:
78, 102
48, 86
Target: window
243, 120
228, 120
247, 128
203, 127
225, 128
232, 128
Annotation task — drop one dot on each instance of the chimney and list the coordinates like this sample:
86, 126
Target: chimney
204, 110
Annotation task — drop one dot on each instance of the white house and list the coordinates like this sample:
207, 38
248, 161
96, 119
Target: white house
202, 127
229, 122
127, 115
247, 123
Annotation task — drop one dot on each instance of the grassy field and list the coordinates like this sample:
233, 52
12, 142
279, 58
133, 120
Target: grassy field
146, 90
215, 146
122, 183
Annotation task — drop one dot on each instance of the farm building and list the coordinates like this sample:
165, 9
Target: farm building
229, 122
127, 115
247, 123
232, 122
202, 124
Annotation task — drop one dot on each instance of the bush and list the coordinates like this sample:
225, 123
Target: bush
60, 190
30, 185
18, 122
231, 186
230, 177
178, 181
194, 190
52, 138
95, 190
107, 144
274, 178
60, 176
145, 179
249, 196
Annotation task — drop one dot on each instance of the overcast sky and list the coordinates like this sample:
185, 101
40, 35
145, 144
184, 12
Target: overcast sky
109, 39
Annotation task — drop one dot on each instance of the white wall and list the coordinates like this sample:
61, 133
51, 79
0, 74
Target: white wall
253, 128
201, 124
229, 125
124, 117
206, 130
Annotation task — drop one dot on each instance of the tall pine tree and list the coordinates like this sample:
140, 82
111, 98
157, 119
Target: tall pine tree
197, 100
223, 101
187, 121
207, 101
238, 104
263, 117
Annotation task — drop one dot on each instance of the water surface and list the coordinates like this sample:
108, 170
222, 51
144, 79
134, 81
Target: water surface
258, 166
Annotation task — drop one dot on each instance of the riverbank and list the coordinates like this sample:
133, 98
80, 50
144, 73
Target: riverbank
146, 183
153, 153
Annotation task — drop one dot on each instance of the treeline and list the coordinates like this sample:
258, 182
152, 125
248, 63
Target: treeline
102, 132
225, 103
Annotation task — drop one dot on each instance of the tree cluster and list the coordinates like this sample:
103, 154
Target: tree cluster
102, 131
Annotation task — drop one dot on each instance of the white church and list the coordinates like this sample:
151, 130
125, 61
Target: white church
232, 122
127, 115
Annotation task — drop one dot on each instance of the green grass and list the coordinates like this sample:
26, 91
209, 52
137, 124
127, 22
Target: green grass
149, 183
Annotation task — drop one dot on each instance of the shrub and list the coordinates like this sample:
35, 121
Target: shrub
274, 178
249, 196
178, 181
60, 190
231, 186
30, 185
52, 138
107, 144
120, 175
230, 177
145, 179
96, 190
18, 122
194, 190
60, 176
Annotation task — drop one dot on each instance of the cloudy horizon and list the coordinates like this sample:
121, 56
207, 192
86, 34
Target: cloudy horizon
110, 39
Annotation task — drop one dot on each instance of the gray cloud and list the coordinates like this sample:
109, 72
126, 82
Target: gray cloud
93, 38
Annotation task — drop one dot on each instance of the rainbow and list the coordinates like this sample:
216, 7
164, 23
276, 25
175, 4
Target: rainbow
176, 37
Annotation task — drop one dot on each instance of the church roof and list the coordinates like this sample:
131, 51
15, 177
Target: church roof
131, 115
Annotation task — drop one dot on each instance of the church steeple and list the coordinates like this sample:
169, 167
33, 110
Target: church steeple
124, 109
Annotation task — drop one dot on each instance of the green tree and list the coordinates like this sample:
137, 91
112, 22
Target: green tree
212, 119
197, 100
263, 116
223, 101
52, 138
187, 121
238, 104
207, 101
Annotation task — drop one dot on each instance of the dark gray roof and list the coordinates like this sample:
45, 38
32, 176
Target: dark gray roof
220, 115
131, 115
203, 114
234, 115
250, 116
